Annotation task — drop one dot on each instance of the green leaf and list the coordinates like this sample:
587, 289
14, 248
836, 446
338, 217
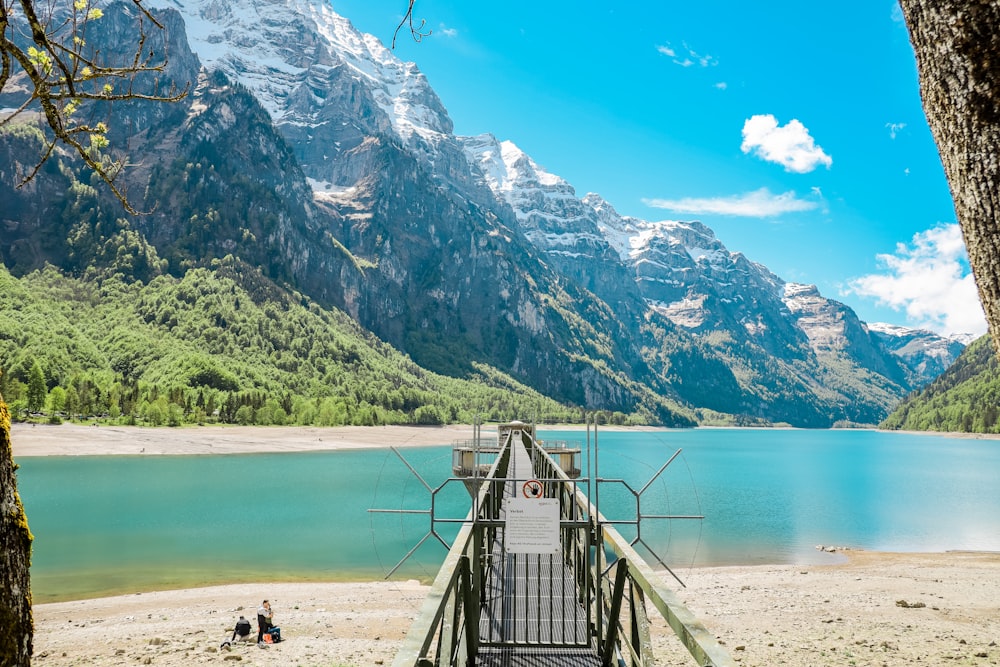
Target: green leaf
40, 59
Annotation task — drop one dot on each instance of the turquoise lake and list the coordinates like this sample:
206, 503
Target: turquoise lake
109, 524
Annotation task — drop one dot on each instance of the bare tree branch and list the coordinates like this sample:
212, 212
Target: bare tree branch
415, 31
64, 74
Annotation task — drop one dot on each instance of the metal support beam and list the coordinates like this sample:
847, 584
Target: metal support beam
608, 652
471, 611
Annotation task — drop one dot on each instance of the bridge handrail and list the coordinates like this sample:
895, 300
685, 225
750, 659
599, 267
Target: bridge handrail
450, 585
700, 643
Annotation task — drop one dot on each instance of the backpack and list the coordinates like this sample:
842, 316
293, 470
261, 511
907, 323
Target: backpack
275, 634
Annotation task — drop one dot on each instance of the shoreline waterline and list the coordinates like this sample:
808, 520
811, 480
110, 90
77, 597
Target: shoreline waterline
67, 439
193, 580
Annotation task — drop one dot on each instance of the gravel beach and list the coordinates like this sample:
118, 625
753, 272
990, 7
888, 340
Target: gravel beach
878, 609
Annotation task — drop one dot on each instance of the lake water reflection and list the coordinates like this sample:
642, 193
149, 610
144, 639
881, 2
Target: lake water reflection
112, 524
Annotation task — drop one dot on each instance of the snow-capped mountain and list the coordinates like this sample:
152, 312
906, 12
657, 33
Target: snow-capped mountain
290, 51
549, 214
925, 352
306, 149
436, 264
326, 85
547, 208
329, 88
680, 268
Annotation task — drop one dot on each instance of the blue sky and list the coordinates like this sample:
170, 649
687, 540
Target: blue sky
792, 129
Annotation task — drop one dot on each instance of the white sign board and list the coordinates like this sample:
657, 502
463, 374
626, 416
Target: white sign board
532, 526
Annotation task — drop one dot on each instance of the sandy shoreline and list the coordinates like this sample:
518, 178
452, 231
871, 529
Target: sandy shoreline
77, 440
848, 614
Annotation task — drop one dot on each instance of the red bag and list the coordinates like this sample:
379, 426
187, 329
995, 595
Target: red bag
268, 639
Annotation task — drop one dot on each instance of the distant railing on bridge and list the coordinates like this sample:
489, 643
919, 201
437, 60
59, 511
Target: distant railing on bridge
473, 457
614, 597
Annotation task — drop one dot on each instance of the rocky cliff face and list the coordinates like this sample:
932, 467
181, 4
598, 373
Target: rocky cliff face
789, 345
549, 214
437, 266
926, 354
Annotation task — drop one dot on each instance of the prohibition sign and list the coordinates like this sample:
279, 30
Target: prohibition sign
532, 489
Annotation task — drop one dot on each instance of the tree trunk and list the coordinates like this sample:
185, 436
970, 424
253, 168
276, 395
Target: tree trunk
957, 44
15, 555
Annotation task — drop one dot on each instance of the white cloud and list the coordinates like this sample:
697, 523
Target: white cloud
894, 128
686, 57
930, 281
789, 145
446, 31
722, 85
757, 204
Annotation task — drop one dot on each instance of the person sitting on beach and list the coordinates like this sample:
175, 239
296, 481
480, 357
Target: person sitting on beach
241, 632
264, 624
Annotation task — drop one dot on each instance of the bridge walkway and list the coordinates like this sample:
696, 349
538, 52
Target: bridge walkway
531, 611
565, 606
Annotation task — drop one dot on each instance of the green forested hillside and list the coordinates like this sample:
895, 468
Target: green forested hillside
965, 398
222, 345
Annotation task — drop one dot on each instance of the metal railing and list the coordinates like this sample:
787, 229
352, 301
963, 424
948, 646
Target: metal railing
605, 611
446, 631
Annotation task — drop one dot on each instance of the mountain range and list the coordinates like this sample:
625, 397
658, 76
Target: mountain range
306, 149
965, 398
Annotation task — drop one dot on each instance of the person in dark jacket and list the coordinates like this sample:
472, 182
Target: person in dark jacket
241, 632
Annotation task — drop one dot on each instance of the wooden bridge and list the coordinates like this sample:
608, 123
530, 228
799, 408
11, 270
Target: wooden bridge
536, 576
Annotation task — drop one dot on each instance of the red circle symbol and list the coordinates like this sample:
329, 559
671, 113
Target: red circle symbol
532, 489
